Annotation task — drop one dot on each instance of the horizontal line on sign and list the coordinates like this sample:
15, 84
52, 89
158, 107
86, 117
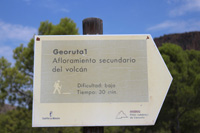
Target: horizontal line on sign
66, 93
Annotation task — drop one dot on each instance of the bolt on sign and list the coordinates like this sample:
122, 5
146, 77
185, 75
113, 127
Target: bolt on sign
101, 80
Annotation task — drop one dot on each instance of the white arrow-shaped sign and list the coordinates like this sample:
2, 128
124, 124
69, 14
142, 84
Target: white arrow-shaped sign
103, 80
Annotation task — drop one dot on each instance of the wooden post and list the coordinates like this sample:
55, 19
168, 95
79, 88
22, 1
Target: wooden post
93, 26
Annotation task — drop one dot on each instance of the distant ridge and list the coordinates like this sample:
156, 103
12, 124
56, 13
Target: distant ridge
6, 108
188, 40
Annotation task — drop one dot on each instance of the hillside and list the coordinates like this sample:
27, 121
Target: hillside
188, 40
6, 108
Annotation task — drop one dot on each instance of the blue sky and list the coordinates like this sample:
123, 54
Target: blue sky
20, 19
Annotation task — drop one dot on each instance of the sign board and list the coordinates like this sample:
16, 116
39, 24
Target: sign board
99, 80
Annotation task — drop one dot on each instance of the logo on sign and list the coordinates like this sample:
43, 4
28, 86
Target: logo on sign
51, 117
121, 115
50, 114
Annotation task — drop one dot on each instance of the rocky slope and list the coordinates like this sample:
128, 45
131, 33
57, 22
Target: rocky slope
188, 40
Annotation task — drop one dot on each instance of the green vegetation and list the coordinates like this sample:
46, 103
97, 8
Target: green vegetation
180, 112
